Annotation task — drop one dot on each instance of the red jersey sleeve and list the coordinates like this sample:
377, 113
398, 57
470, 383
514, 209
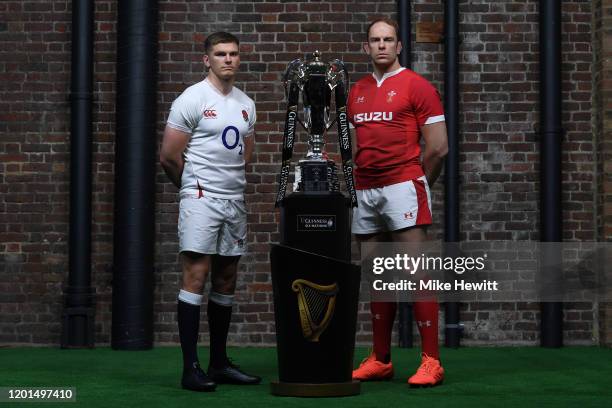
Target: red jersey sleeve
426, 103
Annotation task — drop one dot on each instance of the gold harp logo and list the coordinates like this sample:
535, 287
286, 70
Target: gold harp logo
316, 304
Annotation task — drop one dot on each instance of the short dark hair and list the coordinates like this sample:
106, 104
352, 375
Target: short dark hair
385, 20
218, 38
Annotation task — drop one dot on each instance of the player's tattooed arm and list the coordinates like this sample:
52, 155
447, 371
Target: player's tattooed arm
171, 154
436, 148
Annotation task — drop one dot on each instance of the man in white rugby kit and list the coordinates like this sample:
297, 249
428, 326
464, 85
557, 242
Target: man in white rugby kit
207, 142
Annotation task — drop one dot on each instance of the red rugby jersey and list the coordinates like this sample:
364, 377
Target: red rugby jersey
387, 116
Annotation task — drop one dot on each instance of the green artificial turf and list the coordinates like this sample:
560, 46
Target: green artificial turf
475, 377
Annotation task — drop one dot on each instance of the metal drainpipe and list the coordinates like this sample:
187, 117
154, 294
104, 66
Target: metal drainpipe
79, 309
452, 330
403, 19
551, 328
135, 160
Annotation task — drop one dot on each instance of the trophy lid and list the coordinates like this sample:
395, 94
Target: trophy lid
315, 64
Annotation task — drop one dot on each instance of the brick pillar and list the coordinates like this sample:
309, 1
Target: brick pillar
602, 109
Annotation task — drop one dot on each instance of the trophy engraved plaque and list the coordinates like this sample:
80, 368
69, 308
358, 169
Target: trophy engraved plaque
316, 287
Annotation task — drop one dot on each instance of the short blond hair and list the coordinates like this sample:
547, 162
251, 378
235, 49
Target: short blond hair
385, 20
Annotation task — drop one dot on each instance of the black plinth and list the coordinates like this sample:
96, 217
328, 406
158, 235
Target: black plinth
314, 360
317, 222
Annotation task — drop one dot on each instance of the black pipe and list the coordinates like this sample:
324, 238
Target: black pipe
79, 310
403, 20
136, 145
452, 329
551, 328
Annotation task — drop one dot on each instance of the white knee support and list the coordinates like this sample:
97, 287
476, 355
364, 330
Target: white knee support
191, 298
221, 299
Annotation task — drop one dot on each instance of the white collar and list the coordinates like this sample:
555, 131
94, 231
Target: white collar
386, 75
217, 90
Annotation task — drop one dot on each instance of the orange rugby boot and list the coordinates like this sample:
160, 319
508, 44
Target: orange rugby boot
429, 374
371, 369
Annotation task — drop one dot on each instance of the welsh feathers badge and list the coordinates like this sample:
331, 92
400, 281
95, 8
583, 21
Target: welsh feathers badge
245, 115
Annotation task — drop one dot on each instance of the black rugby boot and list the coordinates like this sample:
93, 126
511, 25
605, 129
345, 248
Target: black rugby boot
231, 374
195, 379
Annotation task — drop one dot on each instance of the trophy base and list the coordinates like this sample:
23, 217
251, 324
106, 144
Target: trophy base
344, 389
318, 175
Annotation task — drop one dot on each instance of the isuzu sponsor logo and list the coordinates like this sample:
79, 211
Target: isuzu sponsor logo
373, 117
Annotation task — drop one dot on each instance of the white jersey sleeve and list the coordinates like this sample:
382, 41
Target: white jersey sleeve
184, 113
252, 120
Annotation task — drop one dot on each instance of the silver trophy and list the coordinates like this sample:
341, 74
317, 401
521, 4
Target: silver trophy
315, 80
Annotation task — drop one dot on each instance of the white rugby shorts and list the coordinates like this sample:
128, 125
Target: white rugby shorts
209, 225
391, 208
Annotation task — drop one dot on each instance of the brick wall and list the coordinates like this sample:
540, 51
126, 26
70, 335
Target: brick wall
499, 147
35, 70
603, 133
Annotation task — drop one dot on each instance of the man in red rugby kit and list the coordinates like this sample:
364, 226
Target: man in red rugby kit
391, 110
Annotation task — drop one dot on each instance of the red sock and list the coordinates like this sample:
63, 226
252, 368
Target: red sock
383, 316
426, 315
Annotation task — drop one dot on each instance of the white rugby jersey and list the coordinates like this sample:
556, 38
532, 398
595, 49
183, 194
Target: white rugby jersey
218, 124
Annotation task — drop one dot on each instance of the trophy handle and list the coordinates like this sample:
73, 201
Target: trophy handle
293, 73
336, 73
